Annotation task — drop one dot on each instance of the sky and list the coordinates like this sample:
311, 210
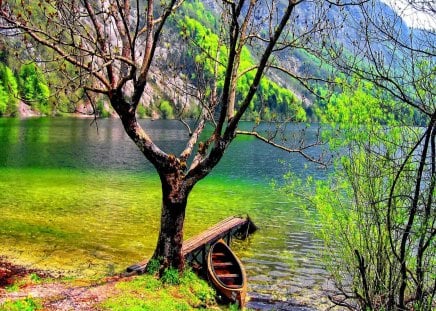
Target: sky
412, 17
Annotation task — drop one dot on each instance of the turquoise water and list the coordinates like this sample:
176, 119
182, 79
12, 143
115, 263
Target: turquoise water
81, 199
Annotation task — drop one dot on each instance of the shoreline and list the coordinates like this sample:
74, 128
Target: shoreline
53, 291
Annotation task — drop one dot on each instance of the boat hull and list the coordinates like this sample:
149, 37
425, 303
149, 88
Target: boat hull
227, 273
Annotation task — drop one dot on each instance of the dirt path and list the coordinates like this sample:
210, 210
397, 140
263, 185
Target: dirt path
54, 293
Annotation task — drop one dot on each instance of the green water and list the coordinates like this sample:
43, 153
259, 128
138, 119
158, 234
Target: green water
81, 222
85, 202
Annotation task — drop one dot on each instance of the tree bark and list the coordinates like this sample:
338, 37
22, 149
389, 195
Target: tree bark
174, 201
169, 245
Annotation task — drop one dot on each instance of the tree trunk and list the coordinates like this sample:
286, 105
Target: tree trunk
174, 200
175, 189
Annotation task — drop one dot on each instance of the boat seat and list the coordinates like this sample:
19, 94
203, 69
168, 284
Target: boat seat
218, 254
228, 275
223, 264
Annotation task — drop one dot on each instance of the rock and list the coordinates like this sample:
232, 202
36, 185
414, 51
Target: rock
25, 111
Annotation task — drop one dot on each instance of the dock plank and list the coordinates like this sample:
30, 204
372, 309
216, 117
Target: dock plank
220, 230
213, 233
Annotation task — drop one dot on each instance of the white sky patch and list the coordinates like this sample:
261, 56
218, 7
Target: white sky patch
412, 17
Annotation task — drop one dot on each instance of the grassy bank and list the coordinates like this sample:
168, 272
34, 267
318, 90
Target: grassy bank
171, 292
146, 292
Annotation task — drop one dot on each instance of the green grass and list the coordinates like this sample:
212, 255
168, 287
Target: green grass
148, 293
26, 304
179, 292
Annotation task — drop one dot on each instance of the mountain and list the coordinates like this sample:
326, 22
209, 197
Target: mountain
305, 58
177, 64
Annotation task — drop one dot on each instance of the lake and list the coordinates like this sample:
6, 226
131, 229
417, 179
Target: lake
83, 200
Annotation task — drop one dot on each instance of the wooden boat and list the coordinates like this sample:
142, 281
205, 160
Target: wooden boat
226, 273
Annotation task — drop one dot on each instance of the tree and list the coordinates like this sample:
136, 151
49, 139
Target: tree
382, 214
8, 90
33, 87
113, 46
374, 187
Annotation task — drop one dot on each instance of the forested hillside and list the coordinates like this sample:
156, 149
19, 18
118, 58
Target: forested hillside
283, 94
25, 82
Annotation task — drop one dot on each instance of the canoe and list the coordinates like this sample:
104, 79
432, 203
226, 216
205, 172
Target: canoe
227, 273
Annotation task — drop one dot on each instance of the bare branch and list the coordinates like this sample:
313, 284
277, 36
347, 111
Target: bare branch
192, 141
300, 150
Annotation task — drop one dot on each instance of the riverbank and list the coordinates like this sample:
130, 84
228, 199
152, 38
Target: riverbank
30, 289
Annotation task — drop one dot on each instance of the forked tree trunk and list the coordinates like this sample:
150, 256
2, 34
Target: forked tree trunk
175, 189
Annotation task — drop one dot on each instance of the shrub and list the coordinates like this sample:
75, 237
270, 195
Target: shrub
171, 276
166, 110
153, 266
26, 304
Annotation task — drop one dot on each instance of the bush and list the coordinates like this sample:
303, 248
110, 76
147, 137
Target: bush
166, 110
200, 288
33, 87
171, 276
101, 110
376, 211
8, 91
141, 111
153, 266
26, 304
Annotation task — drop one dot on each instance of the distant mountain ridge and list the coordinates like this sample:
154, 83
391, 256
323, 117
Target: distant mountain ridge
161, 100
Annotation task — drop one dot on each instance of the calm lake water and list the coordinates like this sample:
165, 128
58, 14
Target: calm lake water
85, 201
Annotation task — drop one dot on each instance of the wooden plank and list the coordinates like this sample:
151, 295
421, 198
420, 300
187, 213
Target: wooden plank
228, 276
213, 233
223, 264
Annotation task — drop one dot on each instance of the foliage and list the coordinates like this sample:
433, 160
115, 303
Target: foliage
33, 87
170, 276
35, 278
141, 111
366, 208
102, 111
153, 266
195, 9
360, 104
272, 102
26, 304
203, 294
166, 110
233, 307
8, 90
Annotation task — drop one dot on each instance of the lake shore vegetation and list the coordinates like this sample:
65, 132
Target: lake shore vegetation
34, 290
377, 210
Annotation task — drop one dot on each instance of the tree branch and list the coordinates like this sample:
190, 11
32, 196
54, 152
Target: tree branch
287, 149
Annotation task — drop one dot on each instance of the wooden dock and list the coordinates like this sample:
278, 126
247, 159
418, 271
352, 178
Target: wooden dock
195, 249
